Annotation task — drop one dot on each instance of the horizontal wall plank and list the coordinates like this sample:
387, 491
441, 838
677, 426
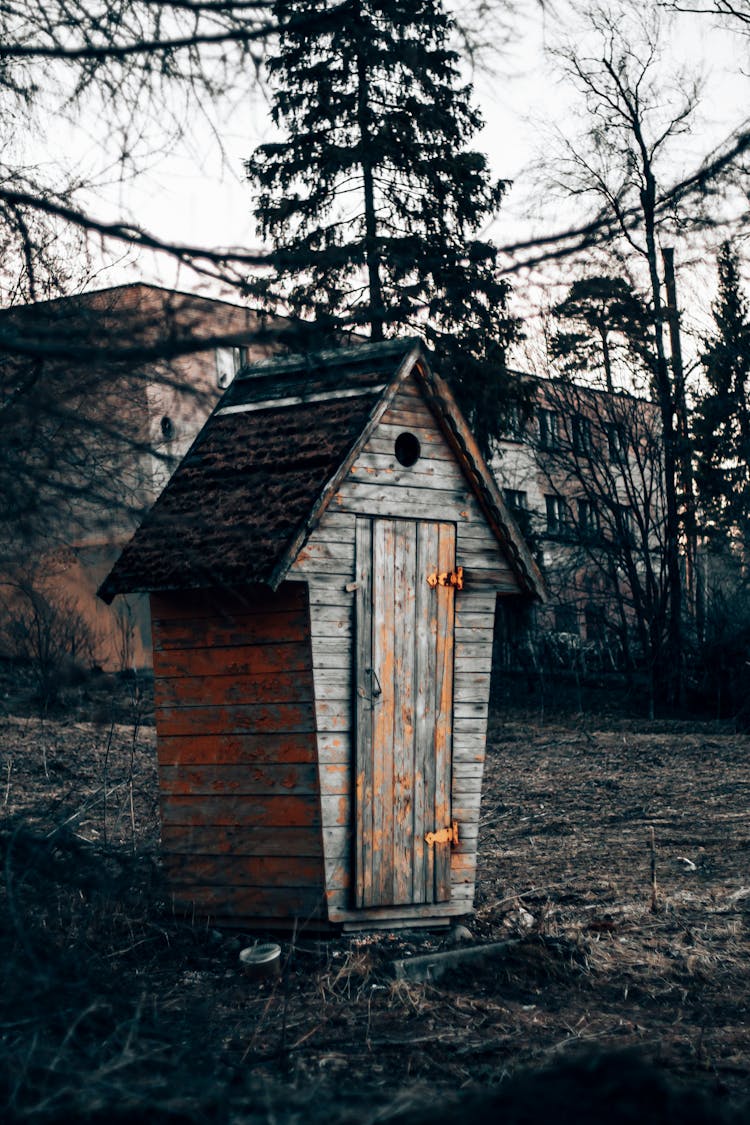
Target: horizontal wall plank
237, 660
245, 871
334, 748
282, 628
236, 748
333, 715
332, 592
237, 904
466, 769
463, 869
247, 840
384, 439
336, 810
463, 787
335, 778
335, 557
470, 711
201, 691
337, 844
374, 468
254, 780
225, 603
267, 812
414, 503
278, 718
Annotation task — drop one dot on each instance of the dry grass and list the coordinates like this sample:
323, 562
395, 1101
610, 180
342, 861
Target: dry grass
114, 1006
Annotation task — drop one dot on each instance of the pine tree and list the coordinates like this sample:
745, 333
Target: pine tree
372, 201
721, 423
605, 325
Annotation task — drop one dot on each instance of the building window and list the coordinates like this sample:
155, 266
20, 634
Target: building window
595, 623
167, 428
549, 434
566, 620
516, 499
228, 363
624, 523
616, 440
581, 434
513, 426
557, 515
588, 519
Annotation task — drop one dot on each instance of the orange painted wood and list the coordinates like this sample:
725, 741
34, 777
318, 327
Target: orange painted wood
444, 710
243, 904
238, 660
282, 628
275, 718
201, 691
270, 811
404, 712
231, 839
245, 871
244, 780
239, 749
225, 603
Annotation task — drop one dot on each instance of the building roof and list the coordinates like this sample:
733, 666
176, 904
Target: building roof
137, 320
262, 471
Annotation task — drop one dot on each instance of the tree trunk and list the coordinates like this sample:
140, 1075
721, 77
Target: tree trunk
372, 260
666, 402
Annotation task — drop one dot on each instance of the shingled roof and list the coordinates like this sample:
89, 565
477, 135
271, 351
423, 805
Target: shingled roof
260, 474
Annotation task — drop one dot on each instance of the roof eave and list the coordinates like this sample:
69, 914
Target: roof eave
306, 528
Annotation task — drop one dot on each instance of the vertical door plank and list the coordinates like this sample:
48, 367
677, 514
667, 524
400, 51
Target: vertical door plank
444, 708
383, 630
403, 711
424, 764
363, 713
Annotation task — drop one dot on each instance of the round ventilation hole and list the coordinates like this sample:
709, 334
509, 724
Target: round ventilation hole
408, 449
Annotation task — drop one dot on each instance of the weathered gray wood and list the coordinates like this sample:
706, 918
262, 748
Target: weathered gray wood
332, 715
364, 801
461, 903
334, 747
383, 443
444, 709
466, 769
413, 503
424, 674
329, 555
384, 625
404, 682
434, 966
428, 472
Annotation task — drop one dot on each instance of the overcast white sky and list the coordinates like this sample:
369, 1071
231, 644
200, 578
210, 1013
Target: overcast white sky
199, 195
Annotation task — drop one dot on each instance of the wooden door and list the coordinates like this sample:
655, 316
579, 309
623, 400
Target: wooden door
404, 710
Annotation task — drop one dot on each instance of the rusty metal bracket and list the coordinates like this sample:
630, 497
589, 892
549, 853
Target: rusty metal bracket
447, 578
443, 835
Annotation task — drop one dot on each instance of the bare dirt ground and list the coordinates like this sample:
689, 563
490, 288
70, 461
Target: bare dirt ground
113, 1008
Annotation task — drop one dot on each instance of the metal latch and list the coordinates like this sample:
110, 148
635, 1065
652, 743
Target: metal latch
444, 835
447, 578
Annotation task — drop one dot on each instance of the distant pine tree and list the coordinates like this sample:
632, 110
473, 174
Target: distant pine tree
721, 421
372, 201
605, 327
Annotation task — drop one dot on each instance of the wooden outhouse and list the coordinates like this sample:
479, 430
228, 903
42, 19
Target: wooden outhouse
323, 569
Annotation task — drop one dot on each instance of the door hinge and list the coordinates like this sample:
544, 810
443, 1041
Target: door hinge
443, 835
447, 578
